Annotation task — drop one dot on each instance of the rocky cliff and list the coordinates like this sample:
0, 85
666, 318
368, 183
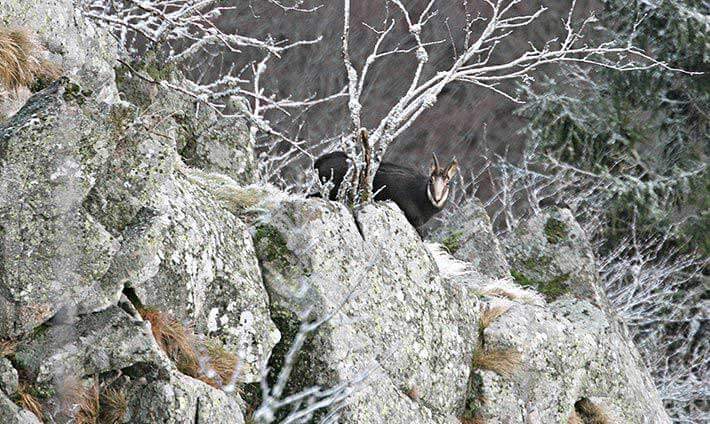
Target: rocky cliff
147, 276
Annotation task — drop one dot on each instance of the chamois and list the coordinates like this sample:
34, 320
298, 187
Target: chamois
419, 196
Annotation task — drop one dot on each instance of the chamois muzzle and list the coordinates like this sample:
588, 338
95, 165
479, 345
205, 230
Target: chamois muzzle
438, 185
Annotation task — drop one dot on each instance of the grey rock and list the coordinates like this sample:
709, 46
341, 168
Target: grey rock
468, 235
85, 52
8, 377
204, 270
136, 258
51, 249
205, 139
550, 252
13, 414
182, 251
143, 160
95, 343
393, 315
570, 351
219, 144
180, 399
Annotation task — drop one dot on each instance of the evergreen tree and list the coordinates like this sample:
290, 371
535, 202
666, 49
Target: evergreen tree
640, 141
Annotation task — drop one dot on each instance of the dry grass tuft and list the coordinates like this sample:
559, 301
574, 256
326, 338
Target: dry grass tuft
574, 419
183, 347
7, 348
26, 400
88, 402
490, 314
174, 338
21, 63
239, 199
412, 393
501, 361
590, 413
79, 402
113, 405
221, 361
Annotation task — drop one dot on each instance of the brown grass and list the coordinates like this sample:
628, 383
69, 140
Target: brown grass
501, 361
590, 413
20, 60
7, 348
113, 405
238, 199
490, 314
174, 338
574, 418
182, 346
78, 401
26, 400
223, 362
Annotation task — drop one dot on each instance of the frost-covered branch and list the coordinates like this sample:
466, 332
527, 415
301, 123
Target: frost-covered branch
474, 65
184, 32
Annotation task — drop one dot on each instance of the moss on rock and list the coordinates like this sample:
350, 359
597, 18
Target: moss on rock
452, 242
271, 246
551, 289
74, 93
555, 230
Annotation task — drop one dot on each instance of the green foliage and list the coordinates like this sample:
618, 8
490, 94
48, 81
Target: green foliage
74, 92
628, 150
475, 397
644, 132
40, 391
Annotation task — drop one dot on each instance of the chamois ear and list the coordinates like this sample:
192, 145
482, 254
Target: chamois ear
452, 169
434, 163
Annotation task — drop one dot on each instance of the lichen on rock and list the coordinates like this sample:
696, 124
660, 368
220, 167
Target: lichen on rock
550, 252
393, 293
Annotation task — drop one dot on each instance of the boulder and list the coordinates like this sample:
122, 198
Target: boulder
182, 250
392, 315
8, 377
468, 235
207, 271
13, 414
142, 162
205, 139
96, 343
550, 252
216, 143
51, 248
180, 400
570, 351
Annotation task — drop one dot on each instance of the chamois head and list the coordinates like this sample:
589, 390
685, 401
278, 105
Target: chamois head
438, 187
